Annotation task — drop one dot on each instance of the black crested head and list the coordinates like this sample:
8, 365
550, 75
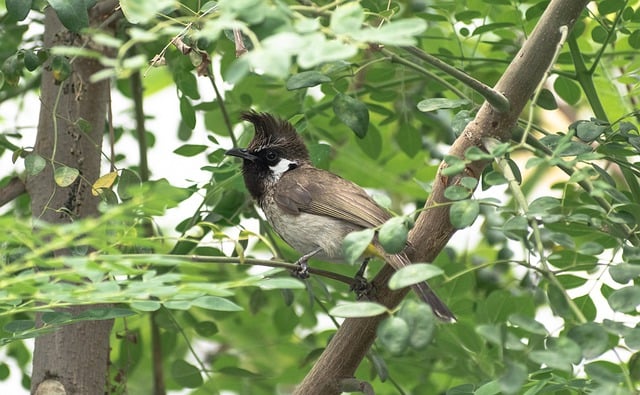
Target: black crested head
273, 132
275, 149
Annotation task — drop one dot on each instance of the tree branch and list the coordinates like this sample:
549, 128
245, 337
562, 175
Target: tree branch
433, 228
12, 190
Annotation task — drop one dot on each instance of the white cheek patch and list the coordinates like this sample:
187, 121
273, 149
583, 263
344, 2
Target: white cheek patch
281, 167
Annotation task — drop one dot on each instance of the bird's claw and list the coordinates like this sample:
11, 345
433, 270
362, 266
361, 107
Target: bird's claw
301, 271
361, 287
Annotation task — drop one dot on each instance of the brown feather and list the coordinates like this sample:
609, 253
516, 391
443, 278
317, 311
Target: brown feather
333, 196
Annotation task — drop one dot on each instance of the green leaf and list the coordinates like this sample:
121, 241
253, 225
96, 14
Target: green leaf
146, 305
436, 104
216, 303
454, 166
185, 374
190, 149
546, 100
206, 328
625, 299
357, 309
72, 13
34, 164
281, 283
175, 304
457, 192
187, 113
409, 139
516, 228
460, 121
567, 89
352, 113
60, 68
347, 18
513, 378
463, 213
136, 11
589, 131
379, 365
605, 372
491, 27
634, 38
317, 50
393, 334
562, 352
372, 144
65, 176
237, 372
393, 235
528, 324
421, 322
632, 338
397, 33
104, 313
557, 300
413, 274
591, 337
623, 272
489, 388
12, 69
306, 79
17, 10
19, 326
31, 60
356, 243
128, 179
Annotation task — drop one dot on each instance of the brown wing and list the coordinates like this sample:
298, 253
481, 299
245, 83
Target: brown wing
311, 190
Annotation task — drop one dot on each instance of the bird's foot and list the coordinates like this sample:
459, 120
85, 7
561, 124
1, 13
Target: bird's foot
360, 286
301, 271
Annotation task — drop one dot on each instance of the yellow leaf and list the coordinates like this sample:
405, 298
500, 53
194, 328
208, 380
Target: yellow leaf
104, 182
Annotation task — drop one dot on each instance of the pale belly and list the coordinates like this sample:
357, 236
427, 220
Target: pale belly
307, 232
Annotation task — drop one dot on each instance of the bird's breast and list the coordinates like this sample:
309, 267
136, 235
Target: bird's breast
307, 232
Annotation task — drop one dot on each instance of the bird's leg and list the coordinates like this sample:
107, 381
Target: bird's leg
360, 285
302, 271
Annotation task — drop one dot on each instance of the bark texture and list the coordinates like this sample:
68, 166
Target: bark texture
76, 356
433, 229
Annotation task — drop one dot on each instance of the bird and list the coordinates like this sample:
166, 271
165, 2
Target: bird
312, 209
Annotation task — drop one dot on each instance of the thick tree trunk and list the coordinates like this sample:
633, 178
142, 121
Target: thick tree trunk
75, 357
433, 228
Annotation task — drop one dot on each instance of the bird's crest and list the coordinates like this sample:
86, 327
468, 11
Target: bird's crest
274, 132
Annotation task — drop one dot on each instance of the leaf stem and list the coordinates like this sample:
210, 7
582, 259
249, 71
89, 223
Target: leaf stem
395, 58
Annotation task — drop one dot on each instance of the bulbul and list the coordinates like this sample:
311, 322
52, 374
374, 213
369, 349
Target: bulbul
310, 208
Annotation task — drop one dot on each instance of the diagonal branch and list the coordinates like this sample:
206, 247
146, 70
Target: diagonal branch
12, 190
433, 228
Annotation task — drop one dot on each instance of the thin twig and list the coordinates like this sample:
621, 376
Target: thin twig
493, 97
224, 260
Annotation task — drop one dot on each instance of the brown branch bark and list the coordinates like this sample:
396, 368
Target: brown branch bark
12, 190
433, 228
74, 357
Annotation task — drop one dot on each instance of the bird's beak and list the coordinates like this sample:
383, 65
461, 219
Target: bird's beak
242, 153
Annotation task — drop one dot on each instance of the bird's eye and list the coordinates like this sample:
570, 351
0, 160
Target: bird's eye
271, 156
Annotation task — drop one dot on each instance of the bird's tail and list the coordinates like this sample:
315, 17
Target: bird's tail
423, 290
